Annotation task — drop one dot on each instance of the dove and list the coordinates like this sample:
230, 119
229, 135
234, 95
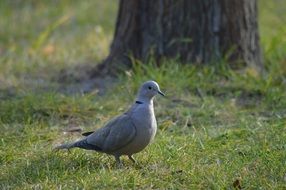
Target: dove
126, 134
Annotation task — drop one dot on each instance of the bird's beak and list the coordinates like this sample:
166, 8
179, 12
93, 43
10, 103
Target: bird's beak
161, 93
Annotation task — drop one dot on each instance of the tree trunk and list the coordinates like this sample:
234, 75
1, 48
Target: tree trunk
201, 31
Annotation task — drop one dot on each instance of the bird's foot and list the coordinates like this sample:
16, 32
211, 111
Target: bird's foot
132, 159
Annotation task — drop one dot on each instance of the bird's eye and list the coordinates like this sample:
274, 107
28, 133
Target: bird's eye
149, 87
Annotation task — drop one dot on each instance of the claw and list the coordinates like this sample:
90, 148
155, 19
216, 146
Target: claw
132, 159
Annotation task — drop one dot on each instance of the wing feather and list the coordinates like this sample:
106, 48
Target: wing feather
114, 135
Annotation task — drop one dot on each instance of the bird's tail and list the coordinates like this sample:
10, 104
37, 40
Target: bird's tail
80, 144
64, 146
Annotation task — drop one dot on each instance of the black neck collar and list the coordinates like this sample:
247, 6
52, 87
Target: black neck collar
138, 102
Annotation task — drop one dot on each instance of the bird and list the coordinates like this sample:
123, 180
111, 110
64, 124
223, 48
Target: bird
128, 133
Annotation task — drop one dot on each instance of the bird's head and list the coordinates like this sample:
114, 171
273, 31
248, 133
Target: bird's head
149, 89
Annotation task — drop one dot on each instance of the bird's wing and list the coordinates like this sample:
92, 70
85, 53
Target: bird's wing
114, 135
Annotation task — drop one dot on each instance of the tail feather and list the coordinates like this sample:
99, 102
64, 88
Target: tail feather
87, 133
80, 144
64, 146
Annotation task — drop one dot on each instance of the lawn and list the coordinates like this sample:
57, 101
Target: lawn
218, 128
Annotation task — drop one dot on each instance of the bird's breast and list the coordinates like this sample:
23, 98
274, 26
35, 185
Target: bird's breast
146, 126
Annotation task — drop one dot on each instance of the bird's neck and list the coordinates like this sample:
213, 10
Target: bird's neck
144, 100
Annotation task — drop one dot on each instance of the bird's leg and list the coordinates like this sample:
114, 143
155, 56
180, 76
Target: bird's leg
132, 159
118, 161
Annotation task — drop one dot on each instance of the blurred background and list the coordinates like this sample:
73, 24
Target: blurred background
46, 42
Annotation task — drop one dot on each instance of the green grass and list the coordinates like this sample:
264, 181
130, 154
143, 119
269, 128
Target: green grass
217, 127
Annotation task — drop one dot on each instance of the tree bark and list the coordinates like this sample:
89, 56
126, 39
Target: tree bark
200, 31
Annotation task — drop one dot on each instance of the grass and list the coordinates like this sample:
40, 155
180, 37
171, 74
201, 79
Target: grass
218, 128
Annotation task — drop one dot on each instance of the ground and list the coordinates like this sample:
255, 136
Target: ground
218, 128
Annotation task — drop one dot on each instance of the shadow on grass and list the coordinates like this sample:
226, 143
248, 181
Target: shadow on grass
55, 167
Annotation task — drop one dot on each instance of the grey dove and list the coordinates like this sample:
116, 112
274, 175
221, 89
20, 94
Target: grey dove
128, 133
